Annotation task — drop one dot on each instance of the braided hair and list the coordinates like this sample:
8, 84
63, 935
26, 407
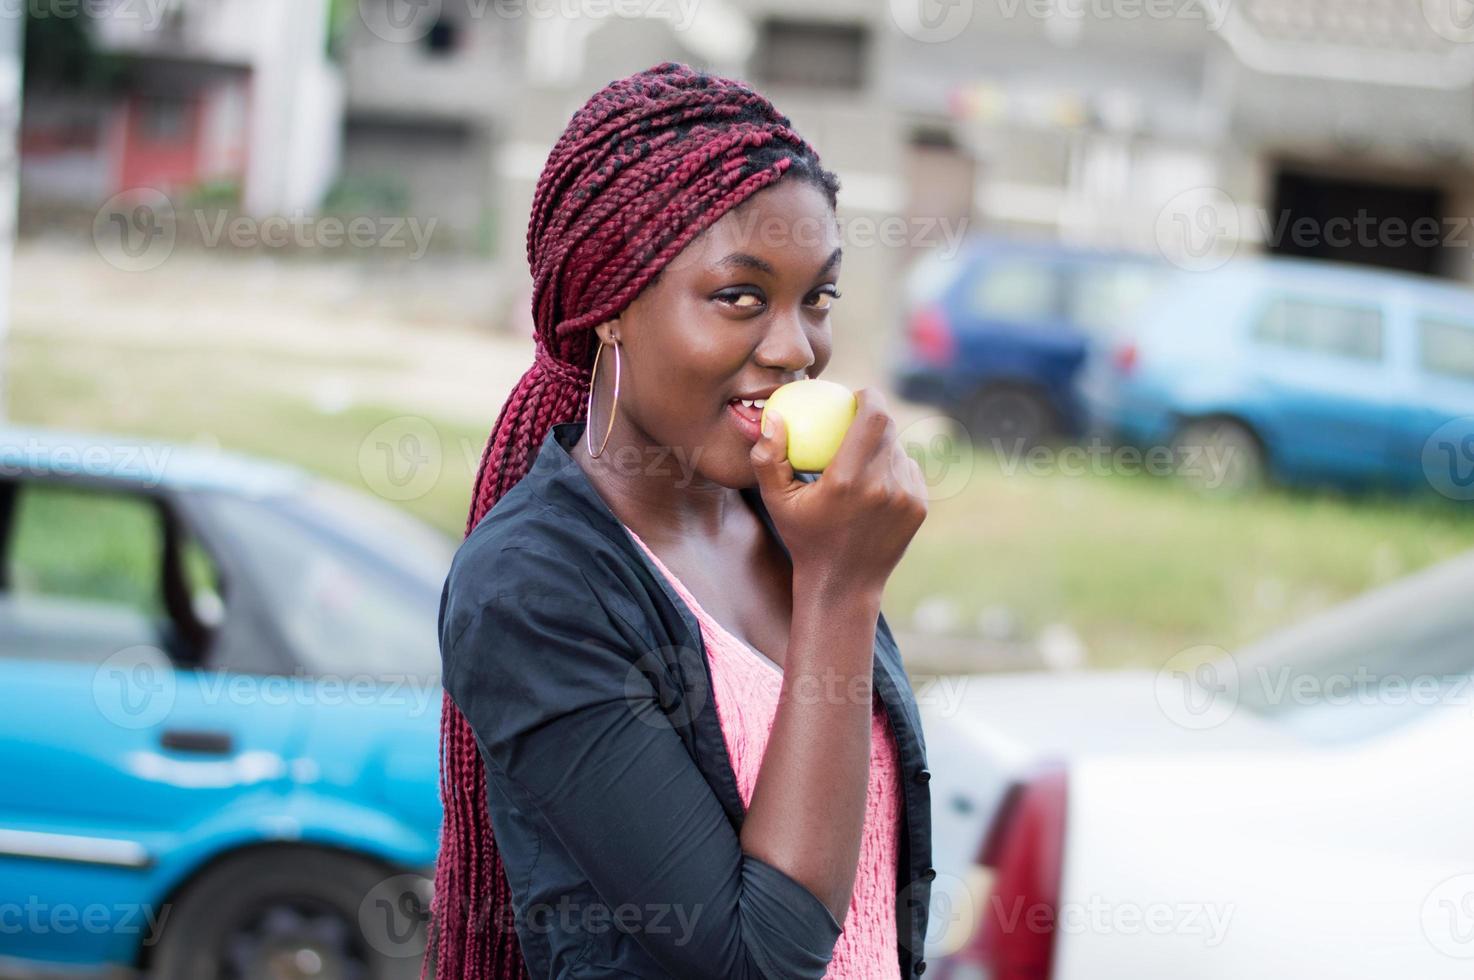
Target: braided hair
646, 165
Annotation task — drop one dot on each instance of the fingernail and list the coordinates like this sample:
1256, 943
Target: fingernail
767, 425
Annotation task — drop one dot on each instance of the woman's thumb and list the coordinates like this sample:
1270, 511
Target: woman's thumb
769, 454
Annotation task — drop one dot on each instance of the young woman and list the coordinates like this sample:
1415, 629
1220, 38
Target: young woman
678, 737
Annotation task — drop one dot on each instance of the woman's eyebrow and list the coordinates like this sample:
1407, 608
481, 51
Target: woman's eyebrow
746, 261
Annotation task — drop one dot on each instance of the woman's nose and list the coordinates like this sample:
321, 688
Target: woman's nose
786, 345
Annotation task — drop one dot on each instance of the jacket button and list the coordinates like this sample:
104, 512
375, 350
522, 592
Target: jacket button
922, 775
929, 874
920, 967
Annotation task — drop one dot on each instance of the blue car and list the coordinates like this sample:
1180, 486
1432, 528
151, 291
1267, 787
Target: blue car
1300, 372
996, 334
221, 716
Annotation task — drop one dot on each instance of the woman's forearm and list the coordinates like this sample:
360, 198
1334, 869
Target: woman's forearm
808, 807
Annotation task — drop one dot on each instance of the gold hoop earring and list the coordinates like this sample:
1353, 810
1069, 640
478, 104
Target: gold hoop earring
588, 441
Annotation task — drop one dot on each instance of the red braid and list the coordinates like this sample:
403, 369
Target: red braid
648, 163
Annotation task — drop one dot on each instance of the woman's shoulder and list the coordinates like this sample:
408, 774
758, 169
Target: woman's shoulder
524, 545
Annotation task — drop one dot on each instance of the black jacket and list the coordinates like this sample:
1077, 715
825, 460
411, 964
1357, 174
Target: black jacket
611, 793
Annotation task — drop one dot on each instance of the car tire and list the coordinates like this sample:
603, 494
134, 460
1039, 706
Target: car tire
294, 912
1009, 418
1219, 456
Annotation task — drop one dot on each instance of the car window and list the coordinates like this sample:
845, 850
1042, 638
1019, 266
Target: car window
346, 604
1446, 346
1016, 290
81, 577
1349, 330
1106, 296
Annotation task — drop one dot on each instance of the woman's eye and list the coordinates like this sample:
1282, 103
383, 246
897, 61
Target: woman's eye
741, 299
825, 299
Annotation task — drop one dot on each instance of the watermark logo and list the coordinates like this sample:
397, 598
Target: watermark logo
1198, 688
1448, 917
677, 677
135, 230
931, 21
1452, 20
399, 21
946, 462
1198, 229
1448, 459
401, 458
135, 687
394, 916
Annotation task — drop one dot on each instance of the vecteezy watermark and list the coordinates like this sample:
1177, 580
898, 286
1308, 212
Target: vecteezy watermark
138, 687
400, 459
672, 919
1207, 465
135, 688
138, 230
135, 230
940, 236
1448, 917
946, 462
145, 460
148, 13
1100, 916
394, 917
935, 21
1452, 20
1198, 688
1200, 229
37, 917
403, 458
408, 21
668, 686
303, 230
1448, 459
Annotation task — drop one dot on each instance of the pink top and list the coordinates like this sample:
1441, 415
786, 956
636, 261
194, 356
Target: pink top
746, 686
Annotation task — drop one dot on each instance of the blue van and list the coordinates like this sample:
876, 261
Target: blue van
996, 334
1298, 371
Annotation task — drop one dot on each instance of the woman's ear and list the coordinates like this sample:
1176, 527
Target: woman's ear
608, 331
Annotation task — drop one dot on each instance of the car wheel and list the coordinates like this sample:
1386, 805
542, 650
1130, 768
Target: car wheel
1008, 418
285, 914
1219, 456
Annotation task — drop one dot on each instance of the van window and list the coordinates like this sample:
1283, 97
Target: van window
1015, 290
1322, 327
1446, 347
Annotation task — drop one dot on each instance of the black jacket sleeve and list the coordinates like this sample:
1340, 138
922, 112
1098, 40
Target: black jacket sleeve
551, 683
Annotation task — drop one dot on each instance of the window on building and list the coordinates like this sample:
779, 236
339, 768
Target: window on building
1323, 327
812, 54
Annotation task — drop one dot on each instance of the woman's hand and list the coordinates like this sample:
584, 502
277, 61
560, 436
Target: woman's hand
848, 529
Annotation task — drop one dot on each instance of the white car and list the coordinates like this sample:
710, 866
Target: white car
1303, 808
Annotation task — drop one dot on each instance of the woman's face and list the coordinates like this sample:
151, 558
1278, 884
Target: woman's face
743, 309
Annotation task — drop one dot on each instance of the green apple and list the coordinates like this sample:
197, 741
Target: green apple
817, 414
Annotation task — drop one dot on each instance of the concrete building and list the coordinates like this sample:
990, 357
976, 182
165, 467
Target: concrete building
233, 93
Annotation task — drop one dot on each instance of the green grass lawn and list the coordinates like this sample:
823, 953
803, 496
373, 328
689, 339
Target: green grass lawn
1139, 567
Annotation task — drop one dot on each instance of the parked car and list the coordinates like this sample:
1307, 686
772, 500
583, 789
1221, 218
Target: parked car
1300, 808
221, 715
995, 334
1295, 370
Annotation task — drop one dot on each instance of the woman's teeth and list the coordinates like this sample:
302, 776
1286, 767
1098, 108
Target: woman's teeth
752, 402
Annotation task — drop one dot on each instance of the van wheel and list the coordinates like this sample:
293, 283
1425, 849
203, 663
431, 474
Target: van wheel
1008, 418
1219, 456
293, 914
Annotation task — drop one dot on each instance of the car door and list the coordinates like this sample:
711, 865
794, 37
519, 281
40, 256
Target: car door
121, 747
1327, 394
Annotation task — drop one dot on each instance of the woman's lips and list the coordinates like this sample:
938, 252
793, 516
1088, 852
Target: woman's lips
747, 420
